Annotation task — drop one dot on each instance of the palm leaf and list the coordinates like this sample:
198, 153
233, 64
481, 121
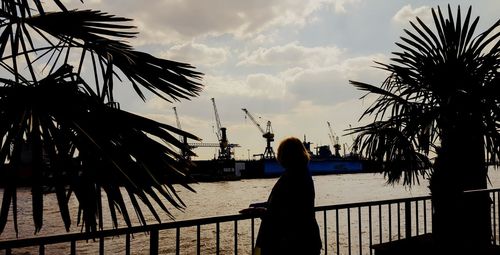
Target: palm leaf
71, 129
432, 70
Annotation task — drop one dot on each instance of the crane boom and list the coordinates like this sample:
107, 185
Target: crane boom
253, 120
268, 135
334, 139
225, 150
217, 120
184, 152
331, 134
177, 118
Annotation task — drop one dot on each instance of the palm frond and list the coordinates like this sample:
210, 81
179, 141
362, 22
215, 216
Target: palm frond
429, 81
59, 117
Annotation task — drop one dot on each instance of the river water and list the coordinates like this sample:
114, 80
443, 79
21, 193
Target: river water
228, 197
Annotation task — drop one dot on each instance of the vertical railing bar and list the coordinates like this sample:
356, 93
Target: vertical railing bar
101, 245
325, 224
494, 205
41, 249
498, 210
370, 230
390, 221
252, 222
380, 223
217, 241
425, 216
407, 219
153, 242
235, 237
399, 221
73, 247
359, 230
198, 239
417, 227
432, 212
127, 244
349, 229
494, 230
494, 220
177, 240
337, 230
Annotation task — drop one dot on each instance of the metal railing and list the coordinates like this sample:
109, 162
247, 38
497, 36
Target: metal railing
346, 229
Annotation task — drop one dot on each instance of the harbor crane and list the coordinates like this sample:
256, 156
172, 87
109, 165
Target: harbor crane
267, 134
178, 122
184, 150
224, 148
334, 139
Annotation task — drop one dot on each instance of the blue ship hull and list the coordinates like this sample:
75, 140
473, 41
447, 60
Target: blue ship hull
318, 167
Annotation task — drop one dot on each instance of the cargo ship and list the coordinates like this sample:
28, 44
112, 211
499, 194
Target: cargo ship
322, 162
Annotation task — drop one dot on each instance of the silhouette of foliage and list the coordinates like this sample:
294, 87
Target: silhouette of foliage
63, 132
434, 70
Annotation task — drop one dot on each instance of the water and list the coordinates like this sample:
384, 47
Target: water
225, 198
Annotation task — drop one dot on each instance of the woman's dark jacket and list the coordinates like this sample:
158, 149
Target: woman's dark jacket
289, 225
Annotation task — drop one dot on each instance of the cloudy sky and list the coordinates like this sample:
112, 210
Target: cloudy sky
287, 61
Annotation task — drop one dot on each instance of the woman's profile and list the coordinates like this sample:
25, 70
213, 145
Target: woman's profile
288, 219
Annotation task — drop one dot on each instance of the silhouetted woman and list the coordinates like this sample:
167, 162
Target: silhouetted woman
288, 223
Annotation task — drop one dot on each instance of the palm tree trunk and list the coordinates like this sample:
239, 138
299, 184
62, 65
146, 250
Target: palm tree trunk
461, 221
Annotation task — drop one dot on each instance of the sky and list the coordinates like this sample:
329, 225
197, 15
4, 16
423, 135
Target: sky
286, 61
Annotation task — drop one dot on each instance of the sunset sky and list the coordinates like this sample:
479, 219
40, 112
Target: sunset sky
286, 61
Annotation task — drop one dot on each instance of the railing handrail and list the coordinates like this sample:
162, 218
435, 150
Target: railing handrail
370, 203
71, 237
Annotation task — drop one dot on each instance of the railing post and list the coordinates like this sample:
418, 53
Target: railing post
325, 229
252, 223
198, 239
236, 237
498, 210
127, 244
178, 241
407, 219
153, 242
101, 245
349, 229
217, 237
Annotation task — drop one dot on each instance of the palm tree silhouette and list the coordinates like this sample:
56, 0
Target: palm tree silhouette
61, 129
441, 99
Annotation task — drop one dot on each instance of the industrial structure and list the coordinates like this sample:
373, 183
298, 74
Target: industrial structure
267, 134
183, 139
225, 149
334, 139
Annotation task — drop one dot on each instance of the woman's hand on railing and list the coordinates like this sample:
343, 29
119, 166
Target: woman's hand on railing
253, 210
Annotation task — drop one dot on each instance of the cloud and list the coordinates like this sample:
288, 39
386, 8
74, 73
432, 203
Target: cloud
408, 13
340, 5
256, 85
166, 22
200, 54
330, 85
291, 54
323, 86
178, 21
